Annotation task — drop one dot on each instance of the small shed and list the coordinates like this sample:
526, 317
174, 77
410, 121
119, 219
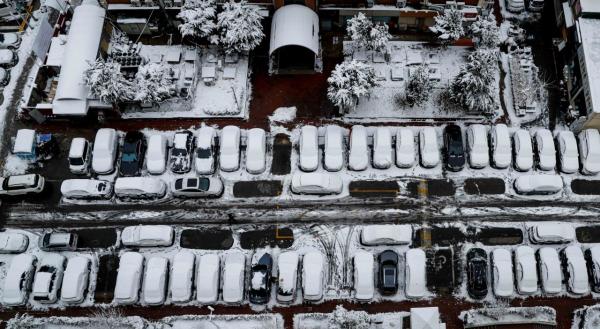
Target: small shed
25, 144
425, 318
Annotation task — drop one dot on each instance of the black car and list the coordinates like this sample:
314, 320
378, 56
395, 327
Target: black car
132, 154
260, 280
181, 153
454, 150
388, 272
477, 265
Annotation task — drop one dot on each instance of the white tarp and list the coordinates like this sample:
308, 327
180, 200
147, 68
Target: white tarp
82, 48
295, 25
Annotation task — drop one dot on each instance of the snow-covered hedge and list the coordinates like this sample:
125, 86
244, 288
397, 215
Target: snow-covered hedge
482, 317
103, 319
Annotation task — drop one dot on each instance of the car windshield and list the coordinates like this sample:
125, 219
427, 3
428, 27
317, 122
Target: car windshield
129, 157
76, 161
203, 153
179, 152
203, 184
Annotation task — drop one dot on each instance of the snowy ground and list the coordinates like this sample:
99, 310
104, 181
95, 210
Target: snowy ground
321, 320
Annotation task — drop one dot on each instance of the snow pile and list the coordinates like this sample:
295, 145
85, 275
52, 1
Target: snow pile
587, 317
283, 114
263, 321
15, 165
257, 280
508, 315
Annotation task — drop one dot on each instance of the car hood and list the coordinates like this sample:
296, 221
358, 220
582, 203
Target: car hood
102, 164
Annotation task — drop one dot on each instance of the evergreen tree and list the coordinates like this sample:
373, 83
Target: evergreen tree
418, 86
473, 86
449, 26
349, 81
198, 18
240, 28
107, 83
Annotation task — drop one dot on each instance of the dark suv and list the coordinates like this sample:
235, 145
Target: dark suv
454, 150
132, 154
388, 272
477, 265
260, 280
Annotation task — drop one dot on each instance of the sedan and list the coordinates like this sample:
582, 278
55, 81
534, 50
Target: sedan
256, 150
388, 272
13, 243
525, 270
181, 153
313, 275
454, 148
86, 189
316, 183
567, 152
523, 150
589, 151
364, 280
382, 148
477, 146
132, 154
501, 147
477, 273
17, 281
147, 236
549, 270
205, 151
229, 154
415, 273
546, 152
155, 280
260, 280
334, 148
428, 146
233, 278
75, 281
502, 273
358, 157
182, 277
48, 278
309, 148
575, 270
538, 184
197, 187
105, 151
405, 148
57, 241
156, 154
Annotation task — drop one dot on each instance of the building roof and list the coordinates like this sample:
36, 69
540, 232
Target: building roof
590, 41
425, 318
82, 48
295, 25
590, 6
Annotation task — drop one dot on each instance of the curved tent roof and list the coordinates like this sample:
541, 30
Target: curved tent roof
295, 25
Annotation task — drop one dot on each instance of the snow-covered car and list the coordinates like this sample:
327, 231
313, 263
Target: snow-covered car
502, 273
181, 153
8, 58
515, 6
428, 147
316, 183
207, 278
386, 234
415, 273
592, 256
575, 270
140, 188
334, 148
382, 148
156, 154
4, 76
80, 155
204, 161
549, 270
358, 156
589, 151
129, 275
551, 233
525, 270
18, 279
287, 267
182, 277
75, 280
58, 241
193, 187
147, 236
22, 184
104, 154
538, 184
48, 278
405, 148
10, 40
229, 153
13, 242
568, 153
313, 274
86, 189
256, 151
155, 280
523, 150
260, 279
234, 269
545, 150
477, 146
501, 146
364, 278
309, 148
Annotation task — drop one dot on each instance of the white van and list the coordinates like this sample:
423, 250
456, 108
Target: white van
287, 266
207, 279
387, 234
140, 188
86, 189
129, 276
18, 280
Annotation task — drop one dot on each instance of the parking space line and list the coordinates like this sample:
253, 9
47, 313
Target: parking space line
423, 189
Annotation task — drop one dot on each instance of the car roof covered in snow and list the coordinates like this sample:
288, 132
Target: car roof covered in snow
386, 234
147, 184
81, 184
72, 278
363, 280
42, 282
104, 138
312, 265
206, 137
77, 146
130, 267
287, 264
563, 231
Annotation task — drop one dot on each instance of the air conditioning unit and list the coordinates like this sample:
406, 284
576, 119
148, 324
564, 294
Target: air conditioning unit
400, 3
370, 3
136, 3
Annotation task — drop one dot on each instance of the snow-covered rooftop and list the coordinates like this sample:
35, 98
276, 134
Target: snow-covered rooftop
295, 25
590, 6
82, 48
590, 41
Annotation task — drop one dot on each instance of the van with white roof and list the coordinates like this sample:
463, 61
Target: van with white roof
75, 280
256, 151
551, 233
104, 154
549, 270
86, 189
502, 273
415, 273
405, 148
182, 277
525, 270
22, 184
364, 278
313, 276
80, 154
358, 156
147, 236
575, 270
155, 280
208, 278
287, 267
234, 271
140, 188
18, 279
129, 276
386, 234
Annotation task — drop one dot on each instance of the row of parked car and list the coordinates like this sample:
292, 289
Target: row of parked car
9, 42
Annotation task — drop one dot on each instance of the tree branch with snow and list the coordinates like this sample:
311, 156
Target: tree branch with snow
239, 26
153, 83
341, 318
473, 86
486, 33
449, 26
349, 81
418, 86
365, 34
199, 19
107, 83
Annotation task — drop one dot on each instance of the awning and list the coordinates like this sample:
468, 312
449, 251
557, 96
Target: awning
295, 25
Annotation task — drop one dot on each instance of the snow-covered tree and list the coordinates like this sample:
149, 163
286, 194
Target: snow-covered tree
366, 35
418, 86
449, 26
349, 81
240, 27
199, 19
485, 32
344, 319
107, 83
153, 83
473, 86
